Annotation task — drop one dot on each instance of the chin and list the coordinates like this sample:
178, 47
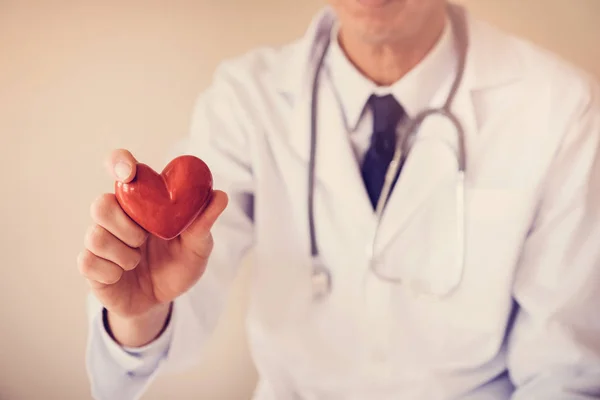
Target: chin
379, 21
376, 30
375, 3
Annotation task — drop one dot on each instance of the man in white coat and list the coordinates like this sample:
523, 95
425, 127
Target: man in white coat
505, 307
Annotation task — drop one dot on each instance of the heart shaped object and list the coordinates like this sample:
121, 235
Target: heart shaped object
166, 204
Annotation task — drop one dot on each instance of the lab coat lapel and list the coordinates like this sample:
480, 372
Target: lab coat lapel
337, 174
430, 166
337, 169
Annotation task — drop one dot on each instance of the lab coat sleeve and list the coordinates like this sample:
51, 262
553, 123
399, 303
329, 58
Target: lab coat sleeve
554, 347
219, 136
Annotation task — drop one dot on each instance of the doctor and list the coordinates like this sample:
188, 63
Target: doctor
476, 277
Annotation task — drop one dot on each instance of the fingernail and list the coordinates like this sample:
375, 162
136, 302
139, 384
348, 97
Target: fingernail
122, 170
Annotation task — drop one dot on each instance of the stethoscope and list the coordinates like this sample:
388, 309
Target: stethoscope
321, 276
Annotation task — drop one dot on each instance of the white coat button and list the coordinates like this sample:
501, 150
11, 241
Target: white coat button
321, 283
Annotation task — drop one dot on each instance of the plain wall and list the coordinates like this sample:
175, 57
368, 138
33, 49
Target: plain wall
79, 78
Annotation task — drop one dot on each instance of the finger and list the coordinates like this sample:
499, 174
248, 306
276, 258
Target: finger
121, 165
98, 269
200, 228
105, 245
107, 212
204, 222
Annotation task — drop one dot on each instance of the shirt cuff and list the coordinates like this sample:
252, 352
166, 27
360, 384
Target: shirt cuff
137, 360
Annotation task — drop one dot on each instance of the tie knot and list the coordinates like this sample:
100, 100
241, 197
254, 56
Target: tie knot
387, 112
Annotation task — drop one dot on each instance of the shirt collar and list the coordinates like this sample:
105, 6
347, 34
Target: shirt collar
414, 91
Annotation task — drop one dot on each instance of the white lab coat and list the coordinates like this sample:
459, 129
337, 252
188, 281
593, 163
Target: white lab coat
518, 319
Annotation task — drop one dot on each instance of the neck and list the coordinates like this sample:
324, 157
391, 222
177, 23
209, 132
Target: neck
386, 63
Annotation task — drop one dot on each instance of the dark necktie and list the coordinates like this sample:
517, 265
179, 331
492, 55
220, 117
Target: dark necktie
387, 112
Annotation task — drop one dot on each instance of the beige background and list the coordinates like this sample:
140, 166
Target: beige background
78, 78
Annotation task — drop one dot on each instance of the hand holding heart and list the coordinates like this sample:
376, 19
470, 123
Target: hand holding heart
151, 241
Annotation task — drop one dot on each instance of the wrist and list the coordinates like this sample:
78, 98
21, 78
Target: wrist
137, 330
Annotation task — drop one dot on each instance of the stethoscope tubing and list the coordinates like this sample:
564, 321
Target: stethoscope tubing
404, 144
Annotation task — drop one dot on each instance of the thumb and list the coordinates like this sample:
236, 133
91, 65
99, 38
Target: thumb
195, 237
121, 165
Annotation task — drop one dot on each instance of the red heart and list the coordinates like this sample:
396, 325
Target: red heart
166, 204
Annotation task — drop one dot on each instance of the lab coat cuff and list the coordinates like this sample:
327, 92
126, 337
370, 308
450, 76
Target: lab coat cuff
142, 359
190, 327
